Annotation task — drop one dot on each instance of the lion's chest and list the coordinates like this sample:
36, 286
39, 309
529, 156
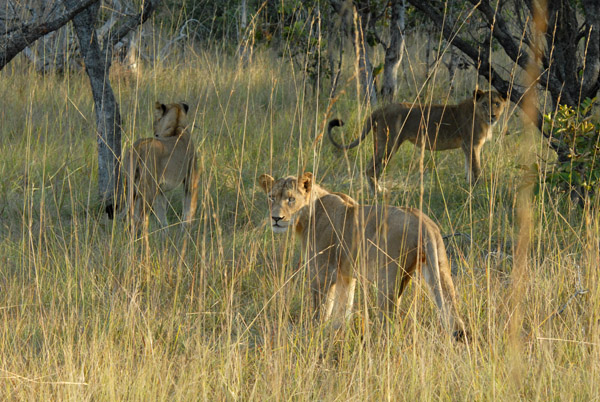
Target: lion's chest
488, 134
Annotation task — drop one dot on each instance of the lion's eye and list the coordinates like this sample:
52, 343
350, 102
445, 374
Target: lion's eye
291, 199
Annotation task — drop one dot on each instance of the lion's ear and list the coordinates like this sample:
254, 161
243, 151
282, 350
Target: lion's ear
159, 110
266, 182
478, 93
185, 106
305, 181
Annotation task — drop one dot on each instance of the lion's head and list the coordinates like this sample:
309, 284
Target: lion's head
171, 119
492, 104
287, 196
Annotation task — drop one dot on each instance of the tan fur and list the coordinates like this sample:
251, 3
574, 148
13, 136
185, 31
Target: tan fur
343, 241
154, 166
466, 126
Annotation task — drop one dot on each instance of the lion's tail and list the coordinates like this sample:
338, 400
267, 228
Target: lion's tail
339, 123
437, 275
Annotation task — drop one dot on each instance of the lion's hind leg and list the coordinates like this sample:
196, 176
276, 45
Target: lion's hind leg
472, 161
436, 273
190, 193
159, 206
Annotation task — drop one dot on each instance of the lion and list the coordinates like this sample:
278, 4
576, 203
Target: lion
467, 125
154, 166
343, 240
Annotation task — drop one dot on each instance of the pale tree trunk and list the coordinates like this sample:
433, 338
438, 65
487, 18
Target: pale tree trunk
131, 59
244, 47
394, 52
108, 118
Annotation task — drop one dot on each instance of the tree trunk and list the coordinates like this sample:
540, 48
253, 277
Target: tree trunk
244, 42
394, 52
365, 67
339, 31
108, 118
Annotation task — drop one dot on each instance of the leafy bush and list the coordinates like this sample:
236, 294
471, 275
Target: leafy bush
575, 129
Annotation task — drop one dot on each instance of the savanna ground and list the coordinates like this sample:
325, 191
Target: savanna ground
90, 313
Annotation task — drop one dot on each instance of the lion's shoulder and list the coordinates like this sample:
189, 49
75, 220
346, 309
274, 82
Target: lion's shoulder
346, 199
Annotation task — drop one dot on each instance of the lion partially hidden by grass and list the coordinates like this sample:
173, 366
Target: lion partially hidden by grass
154, 166
466, 125
343, 240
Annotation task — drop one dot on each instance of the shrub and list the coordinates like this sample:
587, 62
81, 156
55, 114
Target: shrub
575, 129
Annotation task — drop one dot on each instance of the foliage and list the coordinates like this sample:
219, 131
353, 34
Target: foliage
303, 37
578, 174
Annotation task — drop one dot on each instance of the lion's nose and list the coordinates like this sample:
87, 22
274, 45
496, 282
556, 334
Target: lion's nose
277, 218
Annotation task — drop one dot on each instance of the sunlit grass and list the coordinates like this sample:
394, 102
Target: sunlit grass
89, 312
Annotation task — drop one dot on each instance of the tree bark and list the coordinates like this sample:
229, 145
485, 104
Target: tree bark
108, 118
14, 40
394, 52
339, 31
591, 73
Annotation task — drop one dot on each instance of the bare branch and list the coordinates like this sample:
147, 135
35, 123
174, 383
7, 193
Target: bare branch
501, 32
130, 23
13, 41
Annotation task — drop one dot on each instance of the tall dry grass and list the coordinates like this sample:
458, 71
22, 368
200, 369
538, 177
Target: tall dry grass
90, 312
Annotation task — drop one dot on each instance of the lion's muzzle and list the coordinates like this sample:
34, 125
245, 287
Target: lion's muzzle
278, 224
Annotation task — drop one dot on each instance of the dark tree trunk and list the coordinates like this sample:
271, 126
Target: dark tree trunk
578, 76
108, 118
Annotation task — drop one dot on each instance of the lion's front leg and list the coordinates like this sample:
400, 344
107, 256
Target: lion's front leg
472, 162
321, 275
340, 300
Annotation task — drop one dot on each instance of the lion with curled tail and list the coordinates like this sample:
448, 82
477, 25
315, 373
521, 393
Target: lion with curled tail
343, 240
467, 125
154, 166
